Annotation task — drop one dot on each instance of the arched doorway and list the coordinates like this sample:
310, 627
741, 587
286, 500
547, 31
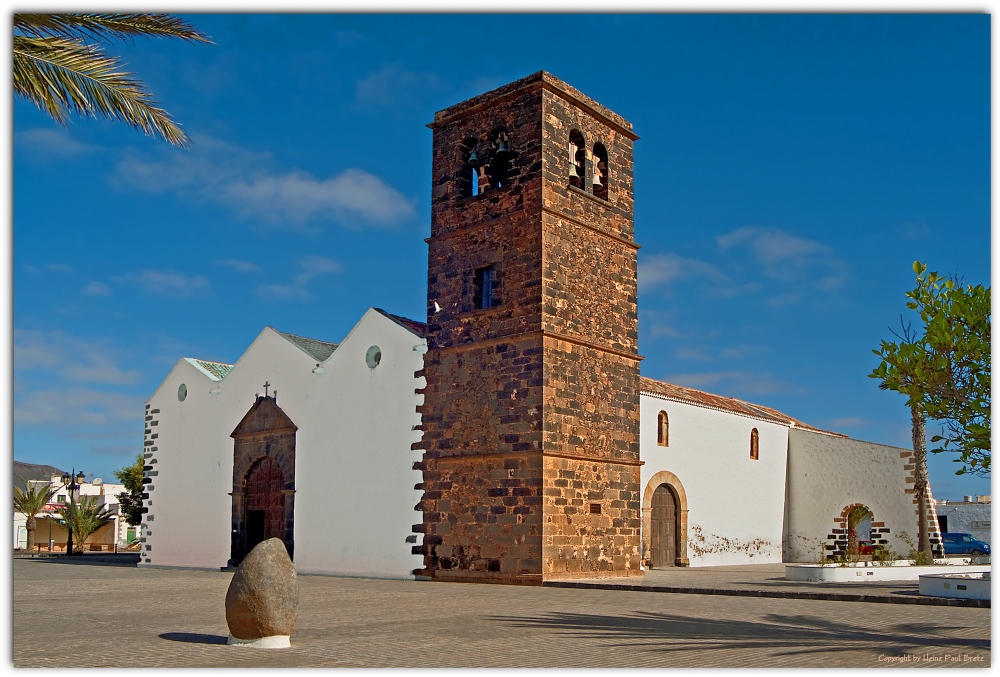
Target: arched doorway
264, 503
664, 520
263, 479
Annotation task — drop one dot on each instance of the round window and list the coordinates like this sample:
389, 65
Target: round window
182, 392
373, 357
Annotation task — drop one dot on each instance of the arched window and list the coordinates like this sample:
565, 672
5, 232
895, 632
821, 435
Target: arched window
577, 159
662, 430
498, 169
600, 182
754, 445
468, 181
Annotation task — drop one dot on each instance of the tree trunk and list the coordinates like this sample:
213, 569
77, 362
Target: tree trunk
30, 526
920, 482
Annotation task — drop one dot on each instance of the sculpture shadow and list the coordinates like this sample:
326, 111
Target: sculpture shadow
788, 634
194, 637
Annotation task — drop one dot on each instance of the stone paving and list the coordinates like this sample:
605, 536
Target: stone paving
128, 617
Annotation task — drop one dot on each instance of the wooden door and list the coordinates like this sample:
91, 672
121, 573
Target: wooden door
663, 527
265, 503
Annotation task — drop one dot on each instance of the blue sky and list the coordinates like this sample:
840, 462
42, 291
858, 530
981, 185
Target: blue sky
790, 170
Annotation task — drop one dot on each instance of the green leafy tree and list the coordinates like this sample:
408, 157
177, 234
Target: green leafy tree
85, 517
944, 371
30, 501
130, 500
57, 69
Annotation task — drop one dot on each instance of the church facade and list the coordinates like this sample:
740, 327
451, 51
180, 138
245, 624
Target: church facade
510, 438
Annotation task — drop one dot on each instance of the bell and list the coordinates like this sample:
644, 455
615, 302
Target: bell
473, 158
502, 147
597, 179
572, 171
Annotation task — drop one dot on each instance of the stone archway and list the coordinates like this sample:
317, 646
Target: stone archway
263, 479
678, 496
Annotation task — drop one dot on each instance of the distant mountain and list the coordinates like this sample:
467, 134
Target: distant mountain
33, 471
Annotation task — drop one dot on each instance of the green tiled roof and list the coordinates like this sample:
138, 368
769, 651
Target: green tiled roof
216, 370
318, 350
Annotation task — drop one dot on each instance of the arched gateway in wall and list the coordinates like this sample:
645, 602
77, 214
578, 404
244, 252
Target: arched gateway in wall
664, 521
263, 479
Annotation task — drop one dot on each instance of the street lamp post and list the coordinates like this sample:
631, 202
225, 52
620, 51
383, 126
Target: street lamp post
72, 483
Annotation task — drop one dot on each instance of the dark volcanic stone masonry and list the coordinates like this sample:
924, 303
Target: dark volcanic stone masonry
530, 417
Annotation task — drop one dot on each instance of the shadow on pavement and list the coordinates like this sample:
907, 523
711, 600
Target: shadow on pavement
797, 634
194, 637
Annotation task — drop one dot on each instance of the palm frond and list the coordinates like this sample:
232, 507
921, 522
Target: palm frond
62, 75
30, 501
101, 26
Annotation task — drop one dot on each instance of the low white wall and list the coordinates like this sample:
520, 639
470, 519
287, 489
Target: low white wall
828, 473
353, 464
735, 504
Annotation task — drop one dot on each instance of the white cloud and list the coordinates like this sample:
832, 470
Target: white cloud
58, 268
97, 289
299, 198
252, 185
754, 383
167, 282
661, 269
70, 357
48, 142
848, 422
62, 408
312, 267
771, 245
699, 353
785, 257
393, 85
241, 266
129, 450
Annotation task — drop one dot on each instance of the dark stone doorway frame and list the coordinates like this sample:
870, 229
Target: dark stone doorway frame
263, 479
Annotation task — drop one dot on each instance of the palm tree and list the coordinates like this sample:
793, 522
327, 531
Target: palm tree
30, 501
85, 517
60, 72
854, 518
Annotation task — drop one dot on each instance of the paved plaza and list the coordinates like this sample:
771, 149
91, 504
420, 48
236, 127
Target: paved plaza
129, 617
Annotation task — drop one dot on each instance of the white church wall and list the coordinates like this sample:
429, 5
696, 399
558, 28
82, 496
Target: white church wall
188, 519
354, 478
735, 504
826, 474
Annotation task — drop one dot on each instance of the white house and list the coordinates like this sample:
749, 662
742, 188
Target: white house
49, 530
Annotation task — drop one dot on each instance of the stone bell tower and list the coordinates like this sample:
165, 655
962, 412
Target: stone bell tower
530, 417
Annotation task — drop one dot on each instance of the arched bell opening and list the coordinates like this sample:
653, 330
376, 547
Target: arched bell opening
577, 159
472, 163
600, 181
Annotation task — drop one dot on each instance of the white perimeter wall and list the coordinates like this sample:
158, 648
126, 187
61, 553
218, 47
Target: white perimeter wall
735, 504
353, 464
826, 474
